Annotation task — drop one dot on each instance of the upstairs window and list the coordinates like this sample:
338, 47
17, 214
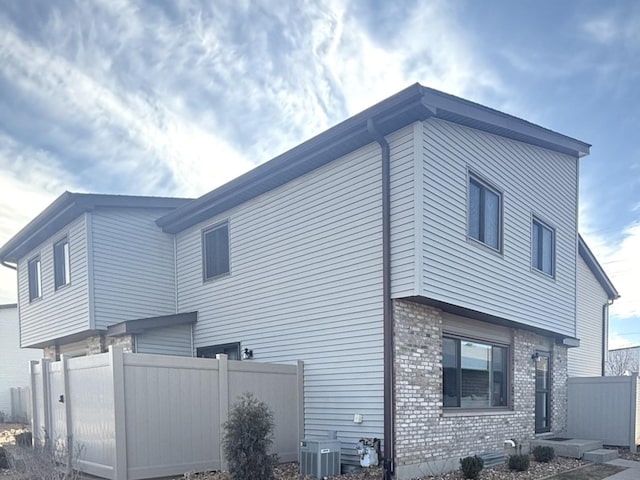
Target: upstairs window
215, 246
475, 374
35, 279
485, 213
61, 263
543, 247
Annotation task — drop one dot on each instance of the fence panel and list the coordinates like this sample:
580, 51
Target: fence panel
21, 404
603, 408
138, 416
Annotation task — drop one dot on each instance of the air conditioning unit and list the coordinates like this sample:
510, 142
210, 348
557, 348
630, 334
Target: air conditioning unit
320, 457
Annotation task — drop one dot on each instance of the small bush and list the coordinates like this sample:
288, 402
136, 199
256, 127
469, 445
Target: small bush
24, 439
471, 466
4, 461
247, 438
519, 462
543, 454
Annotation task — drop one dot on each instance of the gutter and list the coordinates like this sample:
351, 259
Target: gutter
387, 313
5, 264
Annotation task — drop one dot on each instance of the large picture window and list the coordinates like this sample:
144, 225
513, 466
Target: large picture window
475, 374
215, 246
485, 213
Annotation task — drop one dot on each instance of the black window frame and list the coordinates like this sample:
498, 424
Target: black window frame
484, 186
542, 225
206, 274
34, 275
506, 388
211, 351
61, 278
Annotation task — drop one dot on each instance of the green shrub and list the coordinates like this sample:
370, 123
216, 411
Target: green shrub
543, 454
247, 438
519, 462
472, 466
24, 439
4, 461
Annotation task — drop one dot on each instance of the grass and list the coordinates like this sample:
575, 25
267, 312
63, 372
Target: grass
590, 472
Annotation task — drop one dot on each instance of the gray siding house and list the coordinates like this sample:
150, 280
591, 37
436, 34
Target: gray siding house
421, 258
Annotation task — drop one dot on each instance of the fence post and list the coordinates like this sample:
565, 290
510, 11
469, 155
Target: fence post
34, 399
300, 374
120, 467
223, 401
67, 411
46, 400
633, 447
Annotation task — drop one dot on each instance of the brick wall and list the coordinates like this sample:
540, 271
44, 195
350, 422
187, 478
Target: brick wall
428, 440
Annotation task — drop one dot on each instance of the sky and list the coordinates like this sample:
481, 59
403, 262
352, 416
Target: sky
177, 97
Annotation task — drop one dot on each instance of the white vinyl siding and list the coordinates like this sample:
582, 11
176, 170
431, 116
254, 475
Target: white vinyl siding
58, 312
306, 282
14, 361
133, 266
173, 340
586, 360
531, 179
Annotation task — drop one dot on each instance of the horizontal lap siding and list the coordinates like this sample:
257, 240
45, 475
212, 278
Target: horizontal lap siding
586, 360
173, 340
134, 268
58, 312
306, 283
533, 180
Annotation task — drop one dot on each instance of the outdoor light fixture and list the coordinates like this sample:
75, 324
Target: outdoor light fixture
247, 354
535, 356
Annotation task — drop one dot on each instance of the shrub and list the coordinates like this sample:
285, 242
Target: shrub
471, 466
4, 461
44, 463
247, 438
543, 454
24, 439
519, 462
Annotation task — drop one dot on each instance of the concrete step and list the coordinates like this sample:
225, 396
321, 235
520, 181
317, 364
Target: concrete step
491, 459
600, 455
572, 448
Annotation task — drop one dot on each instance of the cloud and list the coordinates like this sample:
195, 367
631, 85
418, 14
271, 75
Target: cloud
619, 341
618, 25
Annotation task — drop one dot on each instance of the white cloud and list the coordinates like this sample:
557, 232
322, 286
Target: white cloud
619, 341
617, 25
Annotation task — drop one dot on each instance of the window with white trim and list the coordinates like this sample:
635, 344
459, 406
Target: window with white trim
485, 213
543, 241
475, 374
61, 267
35, 278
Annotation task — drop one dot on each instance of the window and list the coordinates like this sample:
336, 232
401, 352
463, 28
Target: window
61, 263
35, 279
542, 247
216, 251
232, 350
475, 374
485, 218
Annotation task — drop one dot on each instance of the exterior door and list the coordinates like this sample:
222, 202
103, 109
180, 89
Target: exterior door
543, 387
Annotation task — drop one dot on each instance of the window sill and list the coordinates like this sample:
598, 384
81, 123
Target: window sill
476, 413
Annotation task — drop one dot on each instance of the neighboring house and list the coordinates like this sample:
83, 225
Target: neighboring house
421, 257
623, 361
595, 294
14, 361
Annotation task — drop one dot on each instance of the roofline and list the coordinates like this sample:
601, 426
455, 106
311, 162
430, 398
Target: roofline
412, 104
624, 348
7, 306
66, 208
137, 326
597, 270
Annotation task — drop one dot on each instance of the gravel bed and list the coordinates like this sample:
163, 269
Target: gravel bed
289, 471
627, 455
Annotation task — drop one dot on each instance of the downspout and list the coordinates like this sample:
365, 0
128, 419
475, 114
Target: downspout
605, 335
387, 313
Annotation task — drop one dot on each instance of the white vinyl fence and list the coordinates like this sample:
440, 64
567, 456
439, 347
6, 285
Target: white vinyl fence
605, 408
20, 404
137, 416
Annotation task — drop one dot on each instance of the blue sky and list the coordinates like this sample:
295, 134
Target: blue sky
176, 98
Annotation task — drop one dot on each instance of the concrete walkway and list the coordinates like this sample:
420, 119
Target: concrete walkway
632, 472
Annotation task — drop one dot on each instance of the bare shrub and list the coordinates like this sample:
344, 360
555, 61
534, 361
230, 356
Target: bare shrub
54, 461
